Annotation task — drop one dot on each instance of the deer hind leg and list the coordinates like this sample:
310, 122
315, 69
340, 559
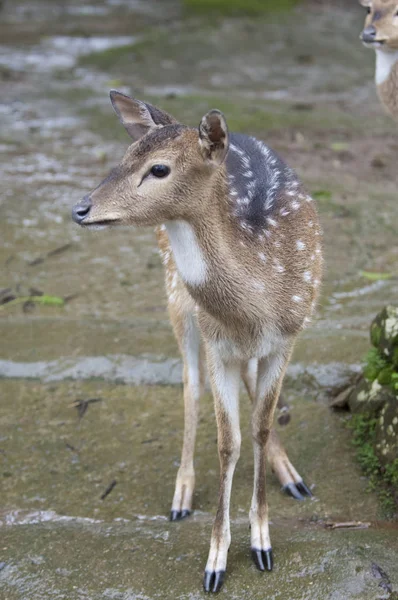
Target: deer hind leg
270, 374
188, 337
291, 481
225, 385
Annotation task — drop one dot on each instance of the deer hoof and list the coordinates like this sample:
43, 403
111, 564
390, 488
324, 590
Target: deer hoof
304, 489
292, 489
213, 581
178, 515
263, 559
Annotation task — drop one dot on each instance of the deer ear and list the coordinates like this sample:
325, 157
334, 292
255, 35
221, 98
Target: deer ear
213, 136
138, 118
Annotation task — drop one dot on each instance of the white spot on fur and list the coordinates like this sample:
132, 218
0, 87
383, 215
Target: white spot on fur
258, 285
300, 245
187, 252
297, 299
307, 276
295, 205
272, 222
278, 267
284, 212
262, 256
384, 64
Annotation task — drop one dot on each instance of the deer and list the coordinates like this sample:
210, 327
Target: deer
381, 34
240, 241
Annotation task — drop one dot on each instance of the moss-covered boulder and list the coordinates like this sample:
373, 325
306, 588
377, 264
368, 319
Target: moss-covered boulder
373, 399
386, 435
369, 397
384, 334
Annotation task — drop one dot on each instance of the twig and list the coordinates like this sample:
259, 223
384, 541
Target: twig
347, 525
108, 489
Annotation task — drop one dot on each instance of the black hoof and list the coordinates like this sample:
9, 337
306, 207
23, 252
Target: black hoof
263, 559
291, 489
178, 515
305, 490
213, 581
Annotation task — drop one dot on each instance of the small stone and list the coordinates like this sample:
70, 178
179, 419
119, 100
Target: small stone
378, 162
342, 399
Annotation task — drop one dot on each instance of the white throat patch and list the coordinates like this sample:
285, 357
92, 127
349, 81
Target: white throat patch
384, 63
187, 252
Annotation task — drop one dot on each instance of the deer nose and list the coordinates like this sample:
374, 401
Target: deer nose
81, 209
369, 34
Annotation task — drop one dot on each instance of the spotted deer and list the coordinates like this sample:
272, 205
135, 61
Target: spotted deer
240, 242
381, 34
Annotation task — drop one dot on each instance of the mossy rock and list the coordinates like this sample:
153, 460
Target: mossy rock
369, 397
384, 333
386, 434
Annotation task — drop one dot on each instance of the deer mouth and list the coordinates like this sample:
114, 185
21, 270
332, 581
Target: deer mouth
100, 224
373, 43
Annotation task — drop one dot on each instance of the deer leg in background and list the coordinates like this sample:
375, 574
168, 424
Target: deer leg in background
188, 338
290, 480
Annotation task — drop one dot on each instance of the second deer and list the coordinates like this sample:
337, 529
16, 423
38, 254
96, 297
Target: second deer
240, 241
381, 34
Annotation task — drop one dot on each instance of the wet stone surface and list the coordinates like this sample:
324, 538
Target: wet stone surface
91, 402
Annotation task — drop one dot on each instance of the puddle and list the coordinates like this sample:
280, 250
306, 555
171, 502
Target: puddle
58, 52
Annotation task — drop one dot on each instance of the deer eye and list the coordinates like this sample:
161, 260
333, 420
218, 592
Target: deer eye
160, 171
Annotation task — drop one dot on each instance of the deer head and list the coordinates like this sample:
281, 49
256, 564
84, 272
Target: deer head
164, 174
381, 24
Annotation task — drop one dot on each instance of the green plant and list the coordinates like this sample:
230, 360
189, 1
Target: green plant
383, 480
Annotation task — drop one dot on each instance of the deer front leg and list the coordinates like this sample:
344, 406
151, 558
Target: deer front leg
291, 481
188, 337
270, 374
225, 386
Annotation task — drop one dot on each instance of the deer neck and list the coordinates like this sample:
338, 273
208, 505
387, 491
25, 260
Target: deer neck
387, 79
197, 241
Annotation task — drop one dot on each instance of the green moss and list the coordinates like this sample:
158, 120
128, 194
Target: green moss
382, 480
385, 375
122, 56
243, 116
375, 363
375, 334
395, 357
394, 381
239, 7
